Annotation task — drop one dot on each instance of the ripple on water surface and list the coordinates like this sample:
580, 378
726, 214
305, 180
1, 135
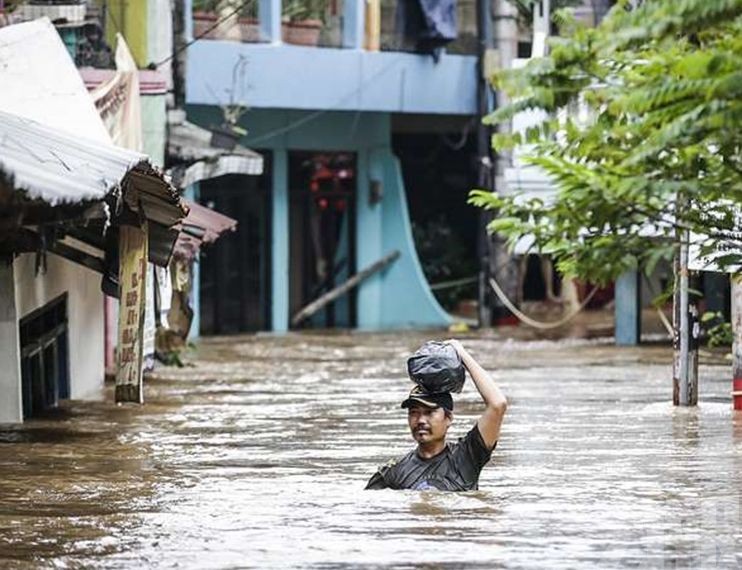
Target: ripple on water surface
256, 456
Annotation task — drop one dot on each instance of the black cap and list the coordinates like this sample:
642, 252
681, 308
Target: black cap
418, 397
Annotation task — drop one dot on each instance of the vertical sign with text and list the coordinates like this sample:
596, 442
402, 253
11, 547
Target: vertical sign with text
133, 246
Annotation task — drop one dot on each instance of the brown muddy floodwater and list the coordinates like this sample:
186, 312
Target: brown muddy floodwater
257, 457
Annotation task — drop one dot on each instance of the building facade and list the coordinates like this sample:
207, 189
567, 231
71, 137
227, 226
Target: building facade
328, 118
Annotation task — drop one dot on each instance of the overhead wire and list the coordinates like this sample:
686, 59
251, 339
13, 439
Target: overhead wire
114, 21
334, 107
464, 138
200, 36
301, 121
660, 313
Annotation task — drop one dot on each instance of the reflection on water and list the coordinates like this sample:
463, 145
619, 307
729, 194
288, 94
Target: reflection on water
256, 456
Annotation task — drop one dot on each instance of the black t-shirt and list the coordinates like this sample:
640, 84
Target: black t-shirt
456, 468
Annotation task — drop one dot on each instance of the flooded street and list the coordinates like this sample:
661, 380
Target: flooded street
257, 455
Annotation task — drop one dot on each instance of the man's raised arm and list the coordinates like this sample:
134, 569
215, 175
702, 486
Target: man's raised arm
496, 403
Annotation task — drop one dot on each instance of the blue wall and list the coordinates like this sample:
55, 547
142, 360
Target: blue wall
193, 193
280, 76
398, 297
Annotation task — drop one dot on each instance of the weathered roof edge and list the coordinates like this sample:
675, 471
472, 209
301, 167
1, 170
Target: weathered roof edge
58, 168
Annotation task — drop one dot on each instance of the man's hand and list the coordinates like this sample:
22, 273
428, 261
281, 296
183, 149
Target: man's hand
491, 420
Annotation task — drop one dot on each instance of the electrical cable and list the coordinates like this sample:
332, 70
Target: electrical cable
114, 21
202, 34
660, 313
453, 283
541, 325
315, 114
461, 143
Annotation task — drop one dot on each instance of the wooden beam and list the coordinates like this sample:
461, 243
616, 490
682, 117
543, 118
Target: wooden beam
77, 256
29, 241
333, 294
133, 282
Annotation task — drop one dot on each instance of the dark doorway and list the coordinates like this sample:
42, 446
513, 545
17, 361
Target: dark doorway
439, 171
235, 270
322, 227
45, 376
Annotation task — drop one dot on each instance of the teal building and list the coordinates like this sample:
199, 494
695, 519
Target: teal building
332, 200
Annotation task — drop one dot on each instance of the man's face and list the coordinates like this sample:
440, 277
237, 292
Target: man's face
428, 425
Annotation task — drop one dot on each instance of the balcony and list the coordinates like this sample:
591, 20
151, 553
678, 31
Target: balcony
325, 23
351, 55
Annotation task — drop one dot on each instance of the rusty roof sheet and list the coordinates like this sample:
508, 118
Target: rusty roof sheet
202, 226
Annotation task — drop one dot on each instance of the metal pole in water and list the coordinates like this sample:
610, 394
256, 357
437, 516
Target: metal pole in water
684, 322
736, 282
686, 329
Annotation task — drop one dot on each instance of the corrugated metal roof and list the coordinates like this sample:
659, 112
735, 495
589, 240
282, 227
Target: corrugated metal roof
39, 81
208, 225
60, 168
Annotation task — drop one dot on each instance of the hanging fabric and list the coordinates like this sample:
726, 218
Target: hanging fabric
429, 24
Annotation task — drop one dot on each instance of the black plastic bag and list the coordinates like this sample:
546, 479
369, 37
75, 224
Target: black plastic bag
437, 367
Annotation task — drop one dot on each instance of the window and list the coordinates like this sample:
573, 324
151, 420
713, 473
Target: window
45, 357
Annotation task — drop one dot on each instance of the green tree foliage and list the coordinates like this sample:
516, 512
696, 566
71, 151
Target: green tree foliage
658, 149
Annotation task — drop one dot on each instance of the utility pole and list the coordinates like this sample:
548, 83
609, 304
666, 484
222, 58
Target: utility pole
685, 330
484, 158
503, 267
180, 41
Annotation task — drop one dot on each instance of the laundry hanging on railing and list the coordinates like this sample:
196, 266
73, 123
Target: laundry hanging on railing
430, 24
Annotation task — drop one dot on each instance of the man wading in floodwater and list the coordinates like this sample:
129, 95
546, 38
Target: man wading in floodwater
435, 464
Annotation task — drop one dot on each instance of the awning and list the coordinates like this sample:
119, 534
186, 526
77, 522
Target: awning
201, 226
55, 174
193, 158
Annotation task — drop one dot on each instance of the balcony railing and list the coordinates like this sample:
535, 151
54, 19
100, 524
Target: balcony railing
302, 22
226, 20
372, 25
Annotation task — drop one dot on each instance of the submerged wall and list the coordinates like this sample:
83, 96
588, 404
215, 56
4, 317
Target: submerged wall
11, 405
399, 296
84, 312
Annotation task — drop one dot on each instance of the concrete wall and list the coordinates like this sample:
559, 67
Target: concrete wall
280, 76
160, 36
11, 404
398, 297
85, 315
154, 127
407, 300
